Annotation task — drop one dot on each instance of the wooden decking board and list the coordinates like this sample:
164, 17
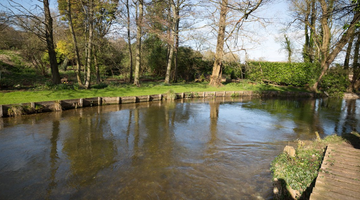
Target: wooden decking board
341, 171
337, 183
332, 195
339, 176
343, 165
331, 177
339, 190
344, 155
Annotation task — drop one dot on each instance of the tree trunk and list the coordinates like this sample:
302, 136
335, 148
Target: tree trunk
176, 32
89, 45
326, 56
50, 43
97, 69
306, 56
129, 42
138, 44
171, 42
215, 79
76, 48
356, 70
348, 53
312, 32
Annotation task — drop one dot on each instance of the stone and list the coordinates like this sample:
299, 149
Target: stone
290, 150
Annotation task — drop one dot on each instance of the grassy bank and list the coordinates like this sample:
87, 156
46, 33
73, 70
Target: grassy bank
62, 92
296, 174
20, 82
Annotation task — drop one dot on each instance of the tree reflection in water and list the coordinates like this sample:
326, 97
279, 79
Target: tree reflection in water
205, 149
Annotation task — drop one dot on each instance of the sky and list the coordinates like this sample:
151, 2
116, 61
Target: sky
268, 39
268, 42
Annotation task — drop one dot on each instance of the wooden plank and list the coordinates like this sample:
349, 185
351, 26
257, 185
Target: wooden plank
339, 176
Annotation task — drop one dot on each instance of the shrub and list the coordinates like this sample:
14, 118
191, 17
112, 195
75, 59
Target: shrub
170, 95
295, 74
100, 86
335, 81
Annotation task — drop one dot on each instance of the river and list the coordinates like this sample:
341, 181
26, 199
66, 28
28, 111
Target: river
187, 149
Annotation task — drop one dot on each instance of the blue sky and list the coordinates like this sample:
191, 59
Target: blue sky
267, 46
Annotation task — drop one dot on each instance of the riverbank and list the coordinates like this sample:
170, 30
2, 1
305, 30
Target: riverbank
64, 91
296, 169
9, 110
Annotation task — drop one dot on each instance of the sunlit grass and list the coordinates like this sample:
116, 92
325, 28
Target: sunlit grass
128, 90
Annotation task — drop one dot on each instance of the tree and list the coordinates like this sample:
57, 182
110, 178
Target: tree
172, 27
328, 54
323, 18
246, 8
75, 43
129, 40
287, 45
43, 29
139, 19
356, 67
348, 52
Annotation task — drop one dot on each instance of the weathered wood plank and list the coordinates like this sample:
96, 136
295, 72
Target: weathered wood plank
339, 176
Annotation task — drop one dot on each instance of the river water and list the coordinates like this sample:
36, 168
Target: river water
188, 149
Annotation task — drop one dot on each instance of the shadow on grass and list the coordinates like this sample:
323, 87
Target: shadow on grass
285, 194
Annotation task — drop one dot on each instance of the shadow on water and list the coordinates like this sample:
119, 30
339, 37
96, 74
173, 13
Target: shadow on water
218, 148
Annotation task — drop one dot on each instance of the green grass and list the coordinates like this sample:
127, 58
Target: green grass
300, 171
25, 84
59, 93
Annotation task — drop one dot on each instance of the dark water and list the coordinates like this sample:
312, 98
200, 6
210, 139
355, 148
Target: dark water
203, 149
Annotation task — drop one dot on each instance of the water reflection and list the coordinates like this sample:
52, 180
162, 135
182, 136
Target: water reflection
201, 149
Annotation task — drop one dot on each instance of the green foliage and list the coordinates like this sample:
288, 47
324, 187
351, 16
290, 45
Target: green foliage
299, 171
233, 69
170, 95
155, 52
235, 95
99, 86
190, 63
296, 74
15, 110
335, 81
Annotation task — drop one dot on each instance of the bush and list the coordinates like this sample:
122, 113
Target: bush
335, 81
295, 74
100, 86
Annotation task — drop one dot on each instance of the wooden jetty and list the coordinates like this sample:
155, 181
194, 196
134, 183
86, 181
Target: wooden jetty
339, 175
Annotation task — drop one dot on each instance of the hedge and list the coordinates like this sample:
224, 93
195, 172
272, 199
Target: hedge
295, 74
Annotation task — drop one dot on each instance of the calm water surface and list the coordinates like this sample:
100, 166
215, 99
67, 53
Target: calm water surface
202, 149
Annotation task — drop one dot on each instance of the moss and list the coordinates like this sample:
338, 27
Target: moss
15, 110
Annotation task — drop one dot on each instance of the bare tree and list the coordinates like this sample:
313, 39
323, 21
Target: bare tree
139, 19
172, 27
245, 8
356, 67
329, 54
75, 43
129, 40
43, 29
348, 53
